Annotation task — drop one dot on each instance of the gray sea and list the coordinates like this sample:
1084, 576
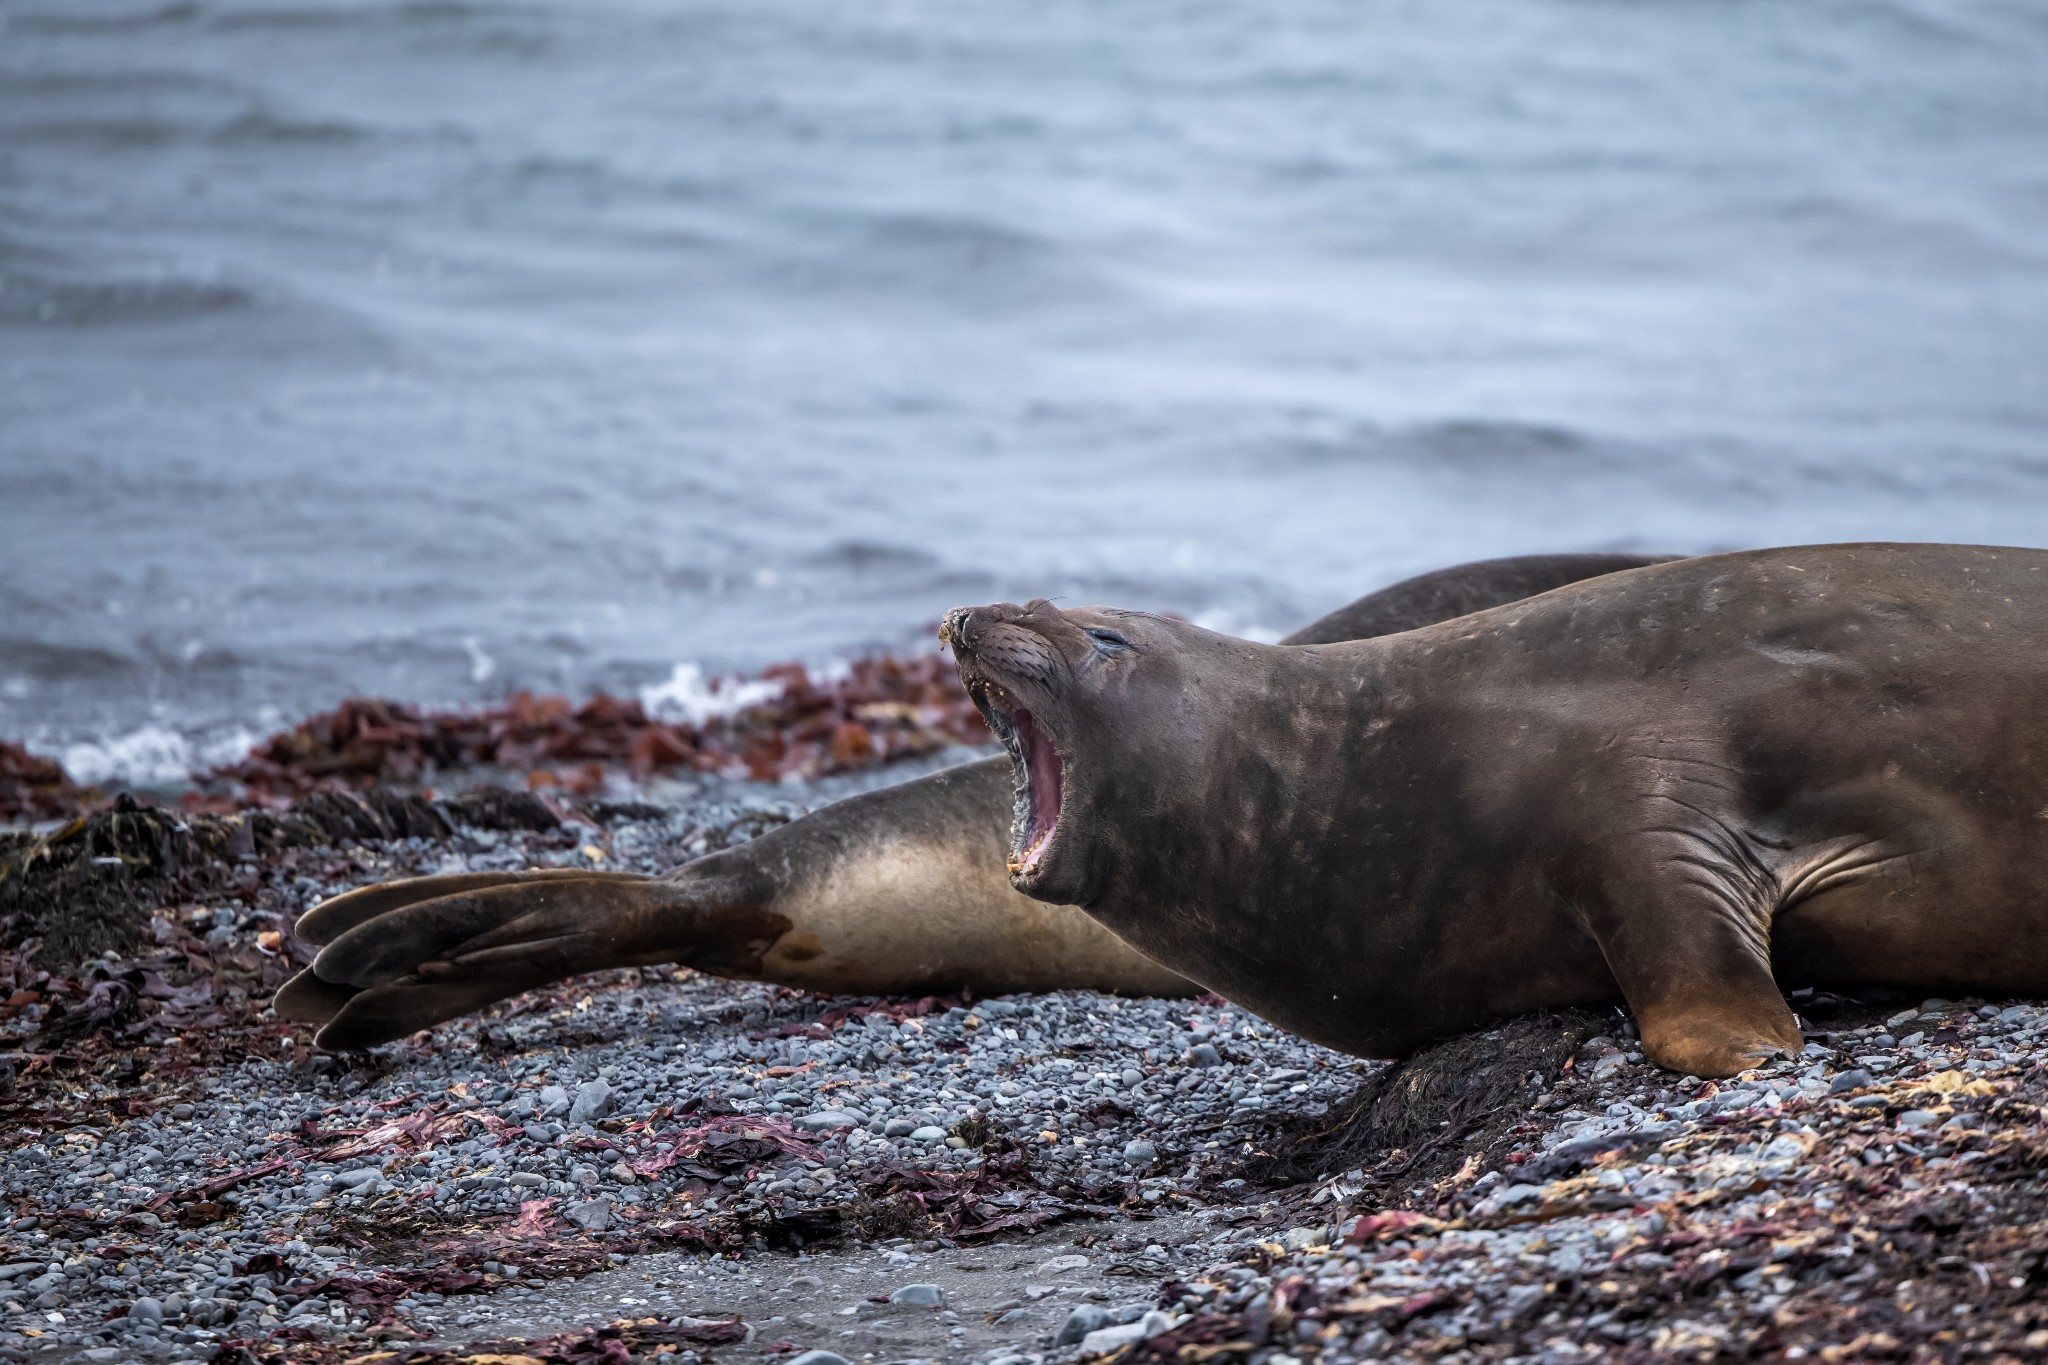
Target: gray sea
437, 348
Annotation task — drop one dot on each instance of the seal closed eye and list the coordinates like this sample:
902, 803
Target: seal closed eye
1108, 641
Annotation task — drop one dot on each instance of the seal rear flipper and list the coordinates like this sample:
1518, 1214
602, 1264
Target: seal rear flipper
306, 999
433, 960
573, 923
336, 915
400, 1008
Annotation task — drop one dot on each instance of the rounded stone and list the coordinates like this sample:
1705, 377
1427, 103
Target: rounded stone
1855, 1079
1085, 1318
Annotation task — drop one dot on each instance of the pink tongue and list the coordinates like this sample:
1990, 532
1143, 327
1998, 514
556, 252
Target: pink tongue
1043, 762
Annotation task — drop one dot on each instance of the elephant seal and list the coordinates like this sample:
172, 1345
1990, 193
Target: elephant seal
1460, 590
1680, 787
895, 891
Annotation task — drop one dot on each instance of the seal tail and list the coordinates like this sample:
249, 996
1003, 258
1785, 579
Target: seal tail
404, 956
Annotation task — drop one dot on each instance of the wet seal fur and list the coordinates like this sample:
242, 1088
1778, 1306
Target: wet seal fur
896, 891
1681, 786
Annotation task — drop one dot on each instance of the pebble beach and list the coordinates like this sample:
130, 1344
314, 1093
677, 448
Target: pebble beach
660, 1165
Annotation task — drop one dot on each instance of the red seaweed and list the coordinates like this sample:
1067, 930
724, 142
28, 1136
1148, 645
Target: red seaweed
880, 710
36, 788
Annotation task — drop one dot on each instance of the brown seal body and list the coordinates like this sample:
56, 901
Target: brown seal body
1682, 786
1460, 590
896, 891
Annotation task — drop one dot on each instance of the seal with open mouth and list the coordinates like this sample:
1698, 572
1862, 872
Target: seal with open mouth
896, 891
1678, 787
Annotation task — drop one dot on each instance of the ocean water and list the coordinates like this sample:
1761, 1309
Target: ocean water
434, 348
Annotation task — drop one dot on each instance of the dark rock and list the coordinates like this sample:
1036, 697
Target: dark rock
592, 1215
87, 890
500, 808
1436, 1106
339, 815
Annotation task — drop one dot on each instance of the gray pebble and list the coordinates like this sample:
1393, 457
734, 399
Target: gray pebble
594, 1100
1851, 1080
592, 1215
920, 1296
1085, 1318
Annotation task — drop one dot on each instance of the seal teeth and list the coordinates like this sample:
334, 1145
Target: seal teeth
1012, 725
1037, 773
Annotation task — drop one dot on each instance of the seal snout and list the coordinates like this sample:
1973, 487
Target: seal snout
997, 644
953, 628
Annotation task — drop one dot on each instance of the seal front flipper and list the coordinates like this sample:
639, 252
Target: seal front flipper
1685, 928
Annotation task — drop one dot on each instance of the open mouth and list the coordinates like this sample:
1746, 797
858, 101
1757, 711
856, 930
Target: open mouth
1040, 776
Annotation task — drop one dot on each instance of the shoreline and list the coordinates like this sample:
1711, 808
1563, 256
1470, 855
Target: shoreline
782, 725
